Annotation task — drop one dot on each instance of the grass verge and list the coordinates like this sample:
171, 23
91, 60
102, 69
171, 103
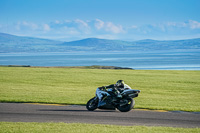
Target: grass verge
18, 127
160, 89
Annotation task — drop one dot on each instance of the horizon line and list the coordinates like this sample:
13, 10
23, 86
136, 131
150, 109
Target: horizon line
98, 38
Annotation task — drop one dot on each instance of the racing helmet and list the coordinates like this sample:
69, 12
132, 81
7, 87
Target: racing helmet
120, 83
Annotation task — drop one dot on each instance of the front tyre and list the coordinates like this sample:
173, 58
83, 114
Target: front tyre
92, 104
125, 108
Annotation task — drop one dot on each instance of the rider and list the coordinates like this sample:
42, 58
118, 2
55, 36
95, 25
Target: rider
101, 91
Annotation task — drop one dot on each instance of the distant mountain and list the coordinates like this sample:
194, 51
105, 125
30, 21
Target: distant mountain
11, 43
168, 45
12, 39
97, 44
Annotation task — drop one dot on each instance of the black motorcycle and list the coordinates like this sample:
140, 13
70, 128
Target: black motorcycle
120, 99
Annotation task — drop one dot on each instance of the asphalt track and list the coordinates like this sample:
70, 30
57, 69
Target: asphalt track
18, 112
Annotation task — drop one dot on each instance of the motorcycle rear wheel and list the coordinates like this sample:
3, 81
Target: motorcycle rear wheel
92, 104
128, 106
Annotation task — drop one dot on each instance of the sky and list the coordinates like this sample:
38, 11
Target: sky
128, 20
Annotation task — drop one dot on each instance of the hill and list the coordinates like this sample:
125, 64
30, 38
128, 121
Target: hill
12, 43
168, 45
96, 44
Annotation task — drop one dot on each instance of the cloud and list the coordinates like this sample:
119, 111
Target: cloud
71, 26
99, 24
194, 24
108, 27
113, 28
134, 27
88, 27
79, 28
83, 26
166, 30
81, 23
57, 21
26, 25
46, 27
190, 24
171, 26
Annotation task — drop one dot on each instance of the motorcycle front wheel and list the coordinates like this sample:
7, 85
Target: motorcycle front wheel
92, 104
128, 106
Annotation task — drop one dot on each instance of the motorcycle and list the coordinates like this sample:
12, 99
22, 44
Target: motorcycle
120, 99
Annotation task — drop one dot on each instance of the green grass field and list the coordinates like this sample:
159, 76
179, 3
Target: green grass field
160, 89
19, 127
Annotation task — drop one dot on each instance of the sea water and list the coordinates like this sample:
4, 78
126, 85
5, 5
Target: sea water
157, 60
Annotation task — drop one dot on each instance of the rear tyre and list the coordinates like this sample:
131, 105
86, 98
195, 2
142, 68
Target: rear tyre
128, 106
92, 104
